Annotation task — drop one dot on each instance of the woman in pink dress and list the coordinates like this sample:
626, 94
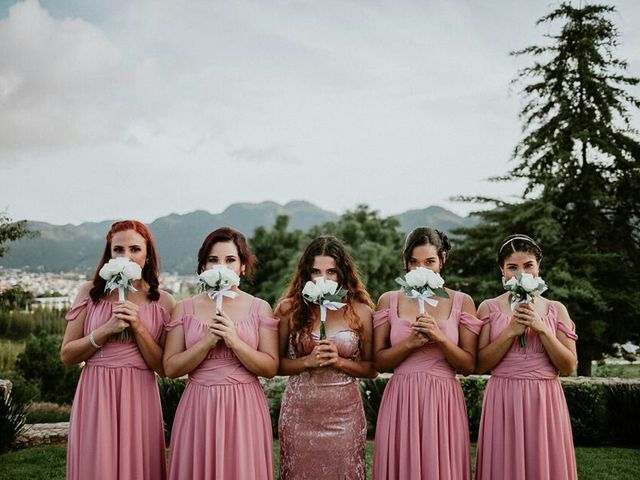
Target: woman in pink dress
525, 430
116, 429
422, 430
322, 427
222, 428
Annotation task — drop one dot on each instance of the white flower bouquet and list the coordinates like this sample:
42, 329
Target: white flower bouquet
325, 293
423, 284
523, 288
217, 283
119, 272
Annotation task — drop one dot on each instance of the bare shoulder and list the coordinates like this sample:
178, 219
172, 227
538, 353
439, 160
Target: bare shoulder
384, 301
563, 313
283, 308
483, 309
167, 301
83, 292
264, 308
467, 301
363, 310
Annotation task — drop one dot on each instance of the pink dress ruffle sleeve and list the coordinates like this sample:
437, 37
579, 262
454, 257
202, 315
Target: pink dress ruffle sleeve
525, 430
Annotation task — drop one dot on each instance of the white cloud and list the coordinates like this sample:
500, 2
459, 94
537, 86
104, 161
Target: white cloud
57, 81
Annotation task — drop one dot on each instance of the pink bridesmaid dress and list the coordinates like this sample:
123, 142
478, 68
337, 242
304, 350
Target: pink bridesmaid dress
116, 429
422, 430
222, 428
525, 431
322, 426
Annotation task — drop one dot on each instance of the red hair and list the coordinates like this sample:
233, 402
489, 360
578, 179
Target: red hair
150, 271
226, 234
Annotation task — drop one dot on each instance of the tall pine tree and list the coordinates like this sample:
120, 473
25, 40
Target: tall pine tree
580, 158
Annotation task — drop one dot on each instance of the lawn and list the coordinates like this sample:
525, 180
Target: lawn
48, 463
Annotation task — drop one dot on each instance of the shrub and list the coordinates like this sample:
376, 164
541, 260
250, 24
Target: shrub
273, 389
12, 421
40, 363
23, 392
371, 391
170, 393
473, 389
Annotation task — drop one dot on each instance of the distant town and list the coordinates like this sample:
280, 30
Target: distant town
58, 290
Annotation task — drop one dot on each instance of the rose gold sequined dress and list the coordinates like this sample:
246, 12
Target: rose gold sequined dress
322, 426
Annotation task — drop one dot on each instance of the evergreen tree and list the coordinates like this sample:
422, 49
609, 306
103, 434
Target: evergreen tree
11, 231
581, 160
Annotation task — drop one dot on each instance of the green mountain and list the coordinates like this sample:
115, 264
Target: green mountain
78, 248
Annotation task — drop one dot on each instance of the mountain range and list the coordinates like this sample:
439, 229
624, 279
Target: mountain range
178, 237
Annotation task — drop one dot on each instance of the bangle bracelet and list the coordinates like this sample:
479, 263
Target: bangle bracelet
93, 342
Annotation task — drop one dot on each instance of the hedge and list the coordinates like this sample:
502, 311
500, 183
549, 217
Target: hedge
603, 411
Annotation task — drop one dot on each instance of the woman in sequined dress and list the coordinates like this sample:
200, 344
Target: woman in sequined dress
322, 425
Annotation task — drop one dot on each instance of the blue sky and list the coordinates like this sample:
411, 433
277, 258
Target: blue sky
140, 109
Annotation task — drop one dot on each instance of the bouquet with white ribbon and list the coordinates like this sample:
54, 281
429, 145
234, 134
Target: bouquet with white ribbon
119, 272
423, 284
523, 288
217, 283
325, 293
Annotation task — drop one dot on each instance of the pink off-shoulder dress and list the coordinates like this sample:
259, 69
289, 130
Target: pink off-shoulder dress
525, 430
222, 428
422, 430
116, 428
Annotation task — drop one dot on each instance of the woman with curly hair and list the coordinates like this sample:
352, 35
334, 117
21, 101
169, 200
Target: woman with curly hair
322, 425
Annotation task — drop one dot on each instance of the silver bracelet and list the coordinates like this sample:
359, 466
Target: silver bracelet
93, 342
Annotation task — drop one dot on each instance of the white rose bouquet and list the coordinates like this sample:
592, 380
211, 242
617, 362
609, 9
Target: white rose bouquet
423, 284
119, 272
325, 293
217, 283
523, 288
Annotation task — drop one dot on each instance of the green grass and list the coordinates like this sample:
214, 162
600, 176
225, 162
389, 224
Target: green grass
611, 370
43, 463
48, 463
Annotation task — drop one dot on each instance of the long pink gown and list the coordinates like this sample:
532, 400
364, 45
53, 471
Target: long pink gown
422, 430
322, 427
222, 428
116, 428
525, 430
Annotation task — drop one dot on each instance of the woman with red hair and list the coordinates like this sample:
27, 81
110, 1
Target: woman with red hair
322, 427
222, 428
116, 428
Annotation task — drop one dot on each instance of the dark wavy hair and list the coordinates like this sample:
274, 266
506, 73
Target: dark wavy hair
426, 236
226, 234
151, 268
517, 242
301, 313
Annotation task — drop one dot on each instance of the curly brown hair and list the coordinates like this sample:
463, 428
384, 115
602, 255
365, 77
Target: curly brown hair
302, 314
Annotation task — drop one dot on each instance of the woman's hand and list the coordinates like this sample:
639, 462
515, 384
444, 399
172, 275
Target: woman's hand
225, 328
426, 325
114, 325
211, 335
516, 327
128, 312
327, 354
418, 337
527, 316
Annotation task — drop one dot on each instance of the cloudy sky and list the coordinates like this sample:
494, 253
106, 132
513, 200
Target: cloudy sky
140, 109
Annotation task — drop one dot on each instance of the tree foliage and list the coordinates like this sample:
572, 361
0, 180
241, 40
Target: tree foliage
11, 231
581, 160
